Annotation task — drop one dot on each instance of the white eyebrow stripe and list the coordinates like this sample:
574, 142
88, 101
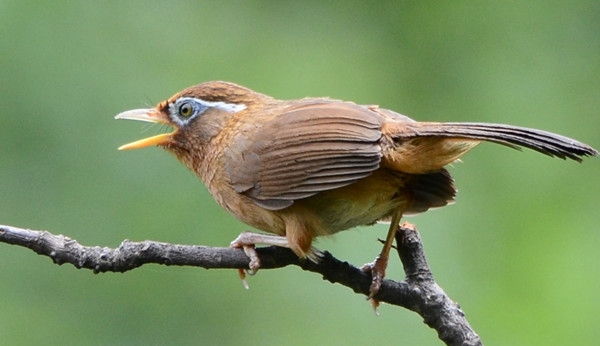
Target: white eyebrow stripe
228, 107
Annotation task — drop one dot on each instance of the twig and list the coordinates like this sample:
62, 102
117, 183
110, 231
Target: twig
418, 292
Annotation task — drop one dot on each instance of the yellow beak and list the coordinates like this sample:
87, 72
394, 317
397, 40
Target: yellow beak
149, 115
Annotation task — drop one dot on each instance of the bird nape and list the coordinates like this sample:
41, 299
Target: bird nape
305, 168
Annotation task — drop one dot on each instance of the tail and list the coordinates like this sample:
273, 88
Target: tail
544, 142
441, 143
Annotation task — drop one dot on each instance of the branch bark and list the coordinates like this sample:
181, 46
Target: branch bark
417, 292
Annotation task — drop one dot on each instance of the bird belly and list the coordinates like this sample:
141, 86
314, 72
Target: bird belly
362, 203
249, 213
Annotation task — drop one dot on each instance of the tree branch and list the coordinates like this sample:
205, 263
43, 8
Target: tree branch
418, 292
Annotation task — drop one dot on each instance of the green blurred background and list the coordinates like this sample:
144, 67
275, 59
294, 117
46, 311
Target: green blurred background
519, 251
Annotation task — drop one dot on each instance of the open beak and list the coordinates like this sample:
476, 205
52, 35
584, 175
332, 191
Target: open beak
149, 115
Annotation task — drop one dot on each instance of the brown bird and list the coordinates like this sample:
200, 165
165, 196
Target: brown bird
312, 167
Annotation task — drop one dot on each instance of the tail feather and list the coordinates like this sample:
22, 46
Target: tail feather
513, 136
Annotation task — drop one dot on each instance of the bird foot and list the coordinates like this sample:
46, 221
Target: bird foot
250, 251
254, 264
377, 269
247, 241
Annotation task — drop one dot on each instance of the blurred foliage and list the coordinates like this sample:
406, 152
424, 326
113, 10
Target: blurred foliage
519, 250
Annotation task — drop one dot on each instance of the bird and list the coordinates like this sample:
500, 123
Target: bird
311, 167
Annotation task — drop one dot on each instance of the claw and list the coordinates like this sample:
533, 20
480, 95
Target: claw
375, 306
377, 269
254, 264
242, 273
246, 241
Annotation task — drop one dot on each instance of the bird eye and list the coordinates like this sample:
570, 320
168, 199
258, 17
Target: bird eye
186, 109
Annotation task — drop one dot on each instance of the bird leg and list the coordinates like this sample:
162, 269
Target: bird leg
377, 267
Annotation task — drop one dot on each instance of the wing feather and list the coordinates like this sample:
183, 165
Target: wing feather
312, 147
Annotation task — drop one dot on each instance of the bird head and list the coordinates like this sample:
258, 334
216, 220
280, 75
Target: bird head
197, 114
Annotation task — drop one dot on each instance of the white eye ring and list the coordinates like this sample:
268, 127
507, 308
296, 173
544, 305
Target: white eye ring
198, 107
